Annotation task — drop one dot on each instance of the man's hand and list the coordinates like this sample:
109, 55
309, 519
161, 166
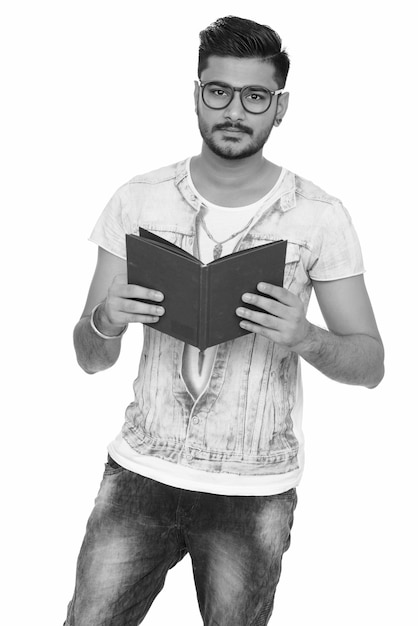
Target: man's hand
121, 306
284, 319
118, 307
350, 351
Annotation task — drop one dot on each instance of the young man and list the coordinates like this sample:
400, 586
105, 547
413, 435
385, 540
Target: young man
211, 452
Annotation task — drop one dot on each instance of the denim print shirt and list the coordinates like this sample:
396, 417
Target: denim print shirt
247, 421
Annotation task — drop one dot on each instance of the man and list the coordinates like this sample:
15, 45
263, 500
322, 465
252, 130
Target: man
212, 449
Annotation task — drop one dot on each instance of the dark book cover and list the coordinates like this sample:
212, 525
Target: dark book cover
200, 299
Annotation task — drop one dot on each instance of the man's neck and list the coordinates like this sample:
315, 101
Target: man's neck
232, 182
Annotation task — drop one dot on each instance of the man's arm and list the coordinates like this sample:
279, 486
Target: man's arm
351, 351
117, 308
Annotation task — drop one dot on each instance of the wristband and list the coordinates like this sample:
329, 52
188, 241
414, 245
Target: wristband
97, 332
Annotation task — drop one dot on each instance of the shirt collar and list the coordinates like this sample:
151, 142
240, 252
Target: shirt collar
284, 200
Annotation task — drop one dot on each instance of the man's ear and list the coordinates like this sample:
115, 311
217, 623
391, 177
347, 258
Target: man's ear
196, 95
282, 104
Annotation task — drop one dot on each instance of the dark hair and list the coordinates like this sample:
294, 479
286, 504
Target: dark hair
236, 37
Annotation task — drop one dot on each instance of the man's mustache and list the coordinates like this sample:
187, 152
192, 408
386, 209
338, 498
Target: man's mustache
229, 125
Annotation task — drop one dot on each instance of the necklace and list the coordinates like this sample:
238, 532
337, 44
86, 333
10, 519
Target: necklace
217, 250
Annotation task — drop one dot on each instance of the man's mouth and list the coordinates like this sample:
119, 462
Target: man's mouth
233, 129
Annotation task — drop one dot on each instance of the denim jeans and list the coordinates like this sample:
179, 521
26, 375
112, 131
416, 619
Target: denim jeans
140, 528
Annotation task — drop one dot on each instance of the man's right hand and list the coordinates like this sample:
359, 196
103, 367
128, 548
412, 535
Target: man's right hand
118, 307
121, 306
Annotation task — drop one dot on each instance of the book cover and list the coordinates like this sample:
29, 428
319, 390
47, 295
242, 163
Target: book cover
200, 299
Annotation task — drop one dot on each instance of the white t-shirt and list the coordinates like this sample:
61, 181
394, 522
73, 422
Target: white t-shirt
221, 222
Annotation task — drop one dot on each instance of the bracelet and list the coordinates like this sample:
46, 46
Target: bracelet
97, 331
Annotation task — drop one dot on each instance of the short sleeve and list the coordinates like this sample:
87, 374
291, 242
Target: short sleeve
337, 252
111, 227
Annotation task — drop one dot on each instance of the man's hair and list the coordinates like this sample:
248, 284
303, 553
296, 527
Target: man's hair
244, 39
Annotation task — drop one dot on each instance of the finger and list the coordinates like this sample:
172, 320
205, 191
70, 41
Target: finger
136, 307
259, 330
122, 319
279, 293
121, 311
270, 305
125, 290
259, 318
142, 319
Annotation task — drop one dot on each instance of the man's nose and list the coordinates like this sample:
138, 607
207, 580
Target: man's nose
235, 110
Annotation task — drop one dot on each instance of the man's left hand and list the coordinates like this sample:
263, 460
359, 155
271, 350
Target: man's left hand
282, 318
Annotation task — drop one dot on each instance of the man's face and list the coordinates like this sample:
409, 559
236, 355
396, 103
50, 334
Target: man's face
233, 132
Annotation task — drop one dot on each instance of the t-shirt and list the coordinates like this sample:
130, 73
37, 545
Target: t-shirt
119, 218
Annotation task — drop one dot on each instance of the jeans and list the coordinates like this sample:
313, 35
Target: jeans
140, 528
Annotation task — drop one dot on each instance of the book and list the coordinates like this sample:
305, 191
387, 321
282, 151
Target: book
200, 299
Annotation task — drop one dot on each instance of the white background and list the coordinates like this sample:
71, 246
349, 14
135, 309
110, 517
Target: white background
79, 119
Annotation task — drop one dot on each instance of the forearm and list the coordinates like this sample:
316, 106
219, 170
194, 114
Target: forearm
94, 353
351, 359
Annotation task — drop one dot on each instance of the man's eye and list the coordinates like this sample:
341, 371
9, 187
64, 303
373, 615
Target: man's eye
220, 93
257, 96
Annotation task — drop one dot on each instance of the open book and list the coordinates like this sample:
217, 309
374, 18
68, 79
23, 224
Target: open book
200, 299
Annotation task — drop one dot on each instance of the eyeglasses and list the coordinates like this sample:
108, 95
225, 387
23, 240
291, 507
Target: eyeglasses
254, 99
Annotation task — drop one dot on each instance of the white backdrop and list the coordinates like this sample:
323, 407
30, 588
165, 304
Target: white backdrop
77, 122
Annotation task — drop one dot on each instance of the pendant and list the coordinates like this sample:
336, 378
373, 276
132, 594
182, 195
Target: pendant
217, 251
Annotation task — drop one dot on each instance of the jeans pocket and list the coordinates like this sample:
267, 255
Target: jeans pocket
288, 495
112, 467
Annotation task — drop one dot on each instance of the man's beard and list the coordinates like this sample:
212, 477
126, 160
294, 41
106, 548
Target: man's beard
232, 150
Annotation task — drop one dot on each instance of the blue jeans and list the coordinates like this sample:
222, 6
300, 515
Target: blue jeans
140, 528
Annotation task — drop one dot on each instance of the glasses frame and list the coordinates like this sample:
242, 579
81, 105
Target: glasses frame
240, 90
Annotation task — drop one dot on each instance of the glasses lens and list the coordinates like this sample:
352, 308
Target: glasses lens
255, 99
217, 95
